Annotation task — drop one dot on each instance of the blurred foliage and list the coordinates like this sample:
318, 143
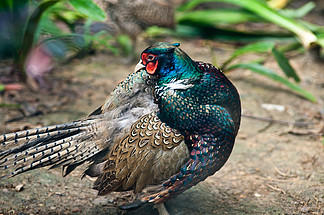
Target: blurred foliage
32, 22
231, 20
251, 10
257, 67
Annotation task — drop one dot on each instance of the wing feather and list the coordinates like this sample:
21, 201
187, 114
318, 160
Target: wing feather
137, 157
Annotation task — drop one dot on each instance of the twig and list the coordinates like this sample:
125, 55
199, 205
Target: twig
277, 180
284, 174
276, 189
266, 119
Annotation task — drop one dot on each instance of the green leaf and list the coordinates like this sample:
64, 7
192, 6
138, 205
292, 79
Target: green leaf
260, 47
259, 69
62, 12
300, 12
46, 26
213, 17
261, 9
126, 43
89, 9
4, 105
155, 31
2, 87
284, 64
30, 33
225, 33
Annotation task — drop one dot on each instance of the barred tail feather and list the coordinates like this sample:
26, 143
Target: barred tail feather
67, 145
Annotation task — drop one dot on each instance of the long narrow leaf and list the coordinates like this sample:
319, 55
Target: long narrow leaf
47, 27
225, 33
88, 8
284, 64
260, 8
30, 32
300, 12
4, 105
257, 68
213, 17
260, 47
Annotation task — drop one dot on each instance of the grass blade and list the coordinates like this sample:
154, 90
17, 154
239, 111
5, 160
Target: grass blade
260, 47
300, 12
30, 33
213, 17
284, 64
259, 69
224, 33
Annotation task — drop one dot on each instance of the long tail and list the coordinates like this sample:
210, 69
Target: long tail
67, 145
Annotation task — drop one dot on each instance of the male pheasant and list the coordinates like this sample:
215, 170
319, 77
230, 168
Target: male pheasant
166, 127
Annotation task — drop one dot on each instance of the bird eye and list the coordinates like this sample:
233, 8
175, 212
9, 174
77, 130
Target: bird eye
150, 57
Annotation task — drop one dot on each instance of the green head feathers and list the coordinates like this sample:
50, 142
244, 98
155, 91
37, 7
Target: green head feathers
169, 62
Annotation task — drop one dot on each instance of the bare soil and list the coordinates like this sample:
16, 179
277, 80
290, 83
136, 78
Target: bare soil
274, 168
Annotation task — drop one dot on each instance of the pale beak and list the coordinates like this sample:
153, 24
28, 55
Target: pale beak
139, 66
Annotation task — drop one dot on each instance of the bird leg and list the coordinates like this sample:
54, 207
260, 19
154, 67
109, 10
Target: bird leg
161, 208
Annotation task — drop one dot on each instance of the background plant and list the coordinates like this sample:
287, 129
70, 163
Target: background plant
193, 20
37, 23
292, 33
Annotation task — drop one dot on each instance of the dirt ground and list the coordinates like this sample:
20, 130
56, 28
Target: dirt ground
274, 168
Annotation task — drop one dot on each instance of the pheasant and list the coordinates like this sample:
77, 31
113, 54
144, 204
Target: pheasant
132, 17
168, 126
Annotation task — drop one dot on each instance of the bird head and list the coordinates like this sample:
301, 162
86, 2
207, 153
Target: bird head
167, 62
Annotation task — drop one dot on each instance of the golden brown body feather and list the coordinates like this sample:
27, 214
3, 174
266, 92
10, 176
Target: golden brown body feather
151, 153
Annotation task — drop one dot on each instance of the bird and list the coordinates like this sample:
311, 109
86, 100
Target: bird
132, 17
168, 126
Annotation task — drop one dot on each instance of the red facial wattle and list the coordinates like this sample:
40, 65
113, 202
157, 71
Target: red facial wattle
150, 61
151, 67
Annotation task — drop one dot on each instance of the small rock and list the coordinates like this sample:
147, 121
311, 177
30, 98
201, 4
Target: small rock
270, 107
19, 187
257, 195
103, 200
75, 210
52, 207
305, 209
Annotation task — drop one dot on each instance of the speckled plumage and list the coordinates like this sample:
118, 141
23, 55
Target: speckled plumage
132, 17
205, 108
165, 128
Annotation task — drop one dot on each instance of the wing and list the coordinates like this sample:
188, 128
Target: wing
208, 154
148, 155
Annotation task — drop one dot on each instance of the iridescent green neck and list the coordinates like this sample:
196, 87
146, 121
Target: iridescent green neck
179, 67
